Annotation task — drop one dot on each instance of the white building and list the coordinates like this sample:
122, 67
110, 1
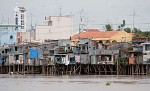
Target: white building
58, 27
20, 17
146, 52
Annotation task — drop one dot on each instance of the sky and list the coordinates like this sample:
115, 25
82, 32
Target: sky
94, 13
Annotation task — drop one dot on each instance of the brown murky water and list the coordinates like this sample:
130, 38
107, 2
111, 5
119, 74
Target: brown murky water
74, 83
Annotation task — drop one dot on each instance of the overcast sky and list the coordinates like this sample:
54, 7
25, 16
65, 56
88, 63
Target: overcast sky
95, 12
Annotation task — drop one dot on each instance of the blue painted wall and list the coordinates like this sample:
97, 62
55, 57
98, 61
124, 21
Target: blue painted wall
5, 36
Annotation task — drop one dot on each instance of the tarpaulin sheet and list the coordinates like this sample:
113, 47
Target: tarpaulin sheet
33, 53
1, 60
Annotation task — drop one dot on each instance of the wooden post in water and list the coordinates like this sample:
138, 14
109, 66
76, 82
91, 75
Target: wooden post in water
132, 67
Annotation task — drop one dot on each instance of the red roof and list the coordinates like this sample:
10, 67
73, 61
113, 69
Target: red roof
95, 34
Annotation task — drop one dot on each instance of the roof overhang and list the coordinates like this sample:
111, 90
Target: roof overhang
97, 39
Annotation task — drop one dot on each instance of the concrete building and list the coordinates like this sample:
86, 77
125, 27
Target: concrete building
20, 17
23, 37
146, 52
58, 27
8, 34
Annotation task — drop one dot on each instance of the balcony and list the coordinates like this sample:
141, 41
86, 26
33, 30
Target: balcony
140, 40
106, 62
109, 52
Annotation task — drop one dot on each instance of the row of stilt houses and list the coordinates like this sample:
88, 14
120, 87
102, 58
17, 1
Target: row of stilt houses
60, 57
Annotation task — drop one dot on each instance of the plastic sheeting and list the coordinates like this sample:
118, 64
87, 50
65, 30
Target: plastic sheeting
33, 53
77, 58
1, 60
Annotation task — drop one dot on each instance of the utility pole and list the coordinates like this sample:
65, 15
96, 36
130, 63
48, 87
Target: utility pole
117, 67
60, 8
31, 27
133, 20
80, 24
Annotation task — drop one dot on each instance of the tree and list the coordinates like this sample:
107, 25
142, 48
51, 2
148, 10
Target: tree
146, 34
122, 25
138, 32
122, 60
108, 27
128, 30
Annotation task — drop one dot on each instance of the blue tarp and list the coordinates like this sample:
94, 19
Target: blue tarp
33, 53
1, 60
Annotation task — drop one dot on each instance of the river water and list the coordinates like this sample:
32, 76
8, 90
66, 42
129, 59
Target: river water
74, 83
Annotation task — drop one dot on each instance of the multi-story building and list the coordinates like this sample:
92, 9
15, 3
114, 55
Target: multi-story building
137, 43
20, 17
146, 52
8, 34
58, 27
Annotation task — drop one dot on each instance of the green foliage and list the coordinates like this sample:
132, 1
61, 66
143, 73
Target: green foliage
122, 25
139, 33
146, 34
130, 48
108, 27
122, 60
128, 30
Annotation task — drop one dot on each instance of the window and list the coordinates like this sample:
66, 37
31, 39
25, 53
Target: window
17, 57
83, 47
16, 21
11, 37
94, 47
49, 23
15, 48
147, 47
22, 27
22, 16
16, 28
22, 22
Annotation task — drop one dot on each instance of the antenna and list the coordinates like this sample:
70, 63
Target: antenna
60, 9
31, 27
80, 24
